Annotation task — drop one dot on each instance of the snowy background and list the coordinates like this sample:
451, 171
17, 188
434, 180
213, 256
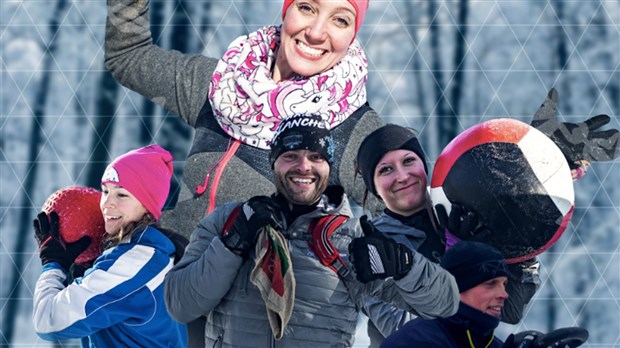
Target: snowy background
433, 65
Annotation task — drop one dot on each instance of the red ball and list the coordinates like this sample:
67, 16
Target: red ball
79, 215
514, 178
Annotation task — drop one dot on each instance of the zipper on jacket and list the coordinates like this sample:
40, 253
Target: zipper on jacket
272, 341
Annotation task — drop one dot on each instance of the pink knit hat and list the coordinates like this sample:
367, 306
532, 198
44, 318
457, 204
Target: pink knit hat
145, 173
361, 6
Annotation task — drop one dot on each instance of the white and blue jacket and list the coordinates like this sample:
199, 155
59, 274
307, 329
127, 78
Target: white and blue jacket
118, 303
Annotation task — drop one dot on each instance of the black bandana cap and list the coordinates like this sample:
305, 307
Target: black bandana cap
303, 132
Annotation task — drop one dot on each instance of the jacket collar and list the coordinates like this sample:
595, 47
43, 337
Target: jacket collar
479, 324
332, 201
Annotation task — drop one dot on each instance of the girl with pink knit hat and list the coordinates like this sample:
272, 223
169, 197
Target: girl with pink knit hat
119, 301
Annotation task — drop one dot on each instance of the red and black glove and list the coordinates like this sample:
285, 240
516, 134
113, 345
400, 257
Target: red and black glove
252, 216
376, 256
51, 248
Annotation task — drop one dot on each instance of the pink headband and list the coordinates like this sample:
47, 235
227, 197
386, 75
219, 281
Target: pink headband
361, 6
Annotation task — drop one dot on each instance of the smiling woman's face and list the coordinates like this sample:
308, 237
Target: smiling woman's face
315, 36
400, 180
119, 207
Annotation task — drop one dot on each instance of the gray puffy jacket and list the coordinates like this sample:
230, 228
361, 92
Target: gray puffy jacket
213, 281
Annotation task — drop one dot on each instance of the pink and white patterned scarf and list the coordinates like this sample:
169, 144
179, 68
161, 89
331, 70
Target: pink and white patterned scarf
248, 104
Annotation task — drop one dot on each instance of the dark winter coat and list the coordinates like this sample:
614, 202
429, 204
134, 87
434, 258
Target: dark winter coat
449, 332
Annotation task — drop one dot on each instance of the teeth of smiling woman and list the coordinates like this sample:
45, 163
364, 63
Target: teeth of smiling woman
309, 50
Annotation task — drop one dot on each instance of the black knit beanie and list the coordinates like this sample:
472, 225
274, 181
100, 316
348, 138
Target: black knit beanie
473, 263
303, 132
383, 140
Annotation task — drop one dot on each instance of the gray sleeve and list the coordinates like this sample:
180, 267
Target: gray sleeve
386, 317
198, 282
427, 290
354, 184
523, 282
176, 81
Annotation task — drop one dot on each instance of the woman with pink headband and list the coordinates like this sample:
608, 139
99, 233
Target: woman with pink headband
312, 64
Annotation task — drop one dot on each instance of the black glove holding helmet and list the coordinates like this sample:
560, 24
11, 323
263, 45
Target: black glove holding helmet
51, 248
581, 141
78, 269
376, 256
248, 220
461, 222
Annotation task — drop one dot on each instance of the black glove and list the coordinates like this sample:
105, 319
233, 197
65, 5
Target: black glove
376, 256
578, 141
462, 222
525, 339
51, 248
252, 216
77, 269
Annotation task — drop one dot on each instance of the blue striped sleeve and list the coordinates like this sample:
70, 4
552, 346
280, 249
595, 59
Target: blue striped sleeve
119, 288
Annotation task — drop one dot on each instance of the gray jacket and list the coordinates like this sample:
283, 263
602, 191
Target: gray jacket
385, 318
180, 83
213, 281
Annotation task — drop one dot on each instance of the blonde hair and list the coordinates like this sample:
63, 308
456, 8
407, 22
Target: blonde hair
114, 238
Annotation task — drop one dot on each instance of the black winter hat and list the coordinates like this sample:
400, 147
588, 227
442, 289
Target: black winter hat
381, 141
473, 263
302, 132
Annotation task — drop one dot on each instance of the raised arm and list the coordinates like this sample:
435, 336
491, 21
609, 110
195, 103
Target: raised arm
354, 130
176, 81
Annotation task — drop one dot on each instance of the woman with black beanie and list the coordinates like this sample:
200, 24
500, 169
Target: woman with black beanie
392, 164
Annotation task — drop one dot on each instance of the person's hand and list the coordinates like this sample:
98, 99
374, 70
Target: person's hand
51, 248
78, 269
252, 216
524, 339
462, 222
567, 337
526, 272
581, 143
376, 256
